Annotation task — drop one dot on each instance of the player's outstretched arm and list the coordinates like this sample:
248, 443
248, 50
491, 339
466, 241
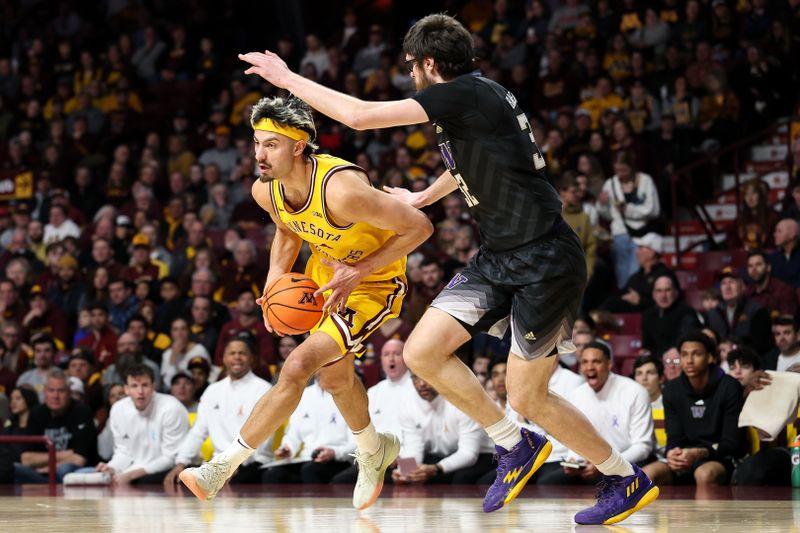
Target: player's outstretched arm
444, 185
353, 112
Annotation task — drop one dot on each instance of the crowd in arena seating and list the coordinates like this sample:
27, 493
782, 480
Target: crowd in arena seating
131, 252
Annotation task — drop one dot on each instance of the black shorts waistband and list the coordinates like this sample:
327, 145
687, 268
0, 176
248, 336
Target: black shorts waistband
558, 227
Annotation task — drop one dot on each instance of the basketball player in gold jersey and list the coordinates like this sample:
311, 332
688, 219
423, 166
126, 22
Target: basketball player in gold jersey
359, 239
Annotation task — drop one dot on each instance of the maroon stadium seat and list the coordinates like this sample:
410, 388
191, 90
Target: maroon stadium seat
694, 299
629, 323
695, 279
626, 366
718, 260
625, 345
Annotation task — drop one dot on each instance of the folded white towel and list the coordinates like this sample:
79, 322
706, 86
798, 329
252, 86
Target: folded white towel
771, 408
89, 478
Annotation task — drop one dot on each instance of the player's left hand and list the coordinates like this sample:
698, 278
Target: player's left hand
345, 279
267, 65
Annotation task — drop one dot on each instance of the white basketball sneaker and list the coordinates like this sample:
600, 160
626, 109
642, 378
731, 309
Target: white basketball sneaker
206, 480
371, 470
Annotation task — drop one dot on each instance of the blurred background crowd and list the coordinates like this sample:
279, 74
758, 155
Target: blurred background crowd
129, 240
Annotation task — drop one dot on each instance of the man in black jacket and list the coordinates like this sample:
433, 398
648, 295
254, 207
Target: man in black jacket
668, 320
738, 315
701, 411
636, 295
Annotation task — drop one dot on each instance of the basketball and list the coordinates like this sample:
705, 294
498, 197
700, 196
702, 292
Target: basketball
291, 306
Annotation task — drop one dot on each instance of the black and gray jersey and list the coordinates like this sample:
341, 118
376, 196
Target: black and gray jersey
487, 144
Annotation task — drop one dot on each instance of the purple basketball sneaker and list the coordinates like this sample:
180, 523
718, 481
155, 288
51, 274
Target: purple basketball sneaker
515, 467
619, 497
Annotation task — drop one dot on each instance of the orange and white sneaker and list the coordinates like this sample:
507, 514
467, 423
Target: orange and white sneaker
206, 480
371, 470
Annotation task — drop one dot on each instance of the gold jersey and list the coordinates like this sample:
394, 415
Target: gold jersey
312, 223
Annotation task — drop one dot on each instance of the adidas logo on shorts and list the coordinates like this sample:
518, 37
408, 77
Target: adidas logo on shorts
530, 336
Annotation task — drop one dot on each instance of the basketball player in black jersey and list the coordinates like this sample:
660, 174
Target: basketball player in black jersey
530, 271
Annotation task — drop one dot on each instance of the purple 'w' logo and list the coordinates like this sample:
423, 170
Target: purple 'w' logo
447, 155
458, 279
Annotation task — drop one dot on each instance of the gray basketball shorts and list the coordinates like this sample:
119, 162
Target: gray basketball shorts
536, 288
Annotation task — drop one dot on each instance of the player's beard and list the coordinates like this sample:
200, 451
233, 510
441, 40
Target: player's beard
423, 81
264, 177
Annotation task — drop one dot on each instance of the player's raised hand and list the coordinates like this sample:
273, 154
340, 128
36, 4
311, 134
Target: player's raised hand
267, 65
345, 279
414, 199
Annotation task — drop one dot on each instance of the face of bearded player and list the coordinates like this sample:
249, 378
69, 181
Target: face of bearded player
421, 78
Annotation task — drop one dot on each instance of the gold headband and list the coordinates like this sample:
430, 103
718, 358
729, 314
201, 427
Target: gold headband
267, 124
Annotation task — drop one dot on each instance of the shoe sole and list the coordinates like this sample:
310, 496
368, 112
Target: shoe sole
544, 453
191, 483
649, 497
379, 488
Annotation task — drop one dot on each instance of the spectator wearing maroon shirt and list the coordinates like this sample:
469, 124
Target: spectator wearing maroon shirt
102, 339
44, 317
250, 320
422, 294
777, 296
141, 267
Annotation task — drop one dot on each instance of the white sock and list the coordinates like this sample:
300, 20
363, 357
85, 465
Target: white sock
504, 433
615, 465
367, 439
237, 452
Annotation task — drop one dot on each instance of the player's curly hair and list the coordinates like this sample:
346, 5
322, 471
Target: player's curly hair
446, 40
290, 111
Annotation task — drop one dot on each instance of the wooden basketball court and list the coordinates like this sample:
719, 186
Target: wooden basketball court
400, 509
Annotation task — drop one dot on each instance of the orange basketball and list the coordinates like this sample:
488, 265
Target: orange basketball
291, 306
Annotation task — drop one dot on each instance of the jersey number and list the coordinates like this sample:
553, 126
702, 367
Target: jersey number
450, 162
471, 200
538, 160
